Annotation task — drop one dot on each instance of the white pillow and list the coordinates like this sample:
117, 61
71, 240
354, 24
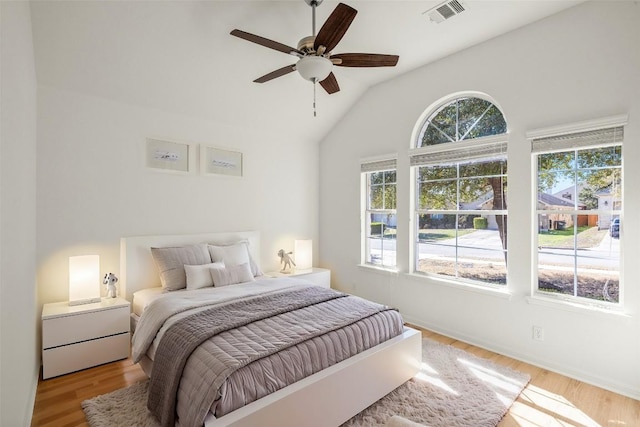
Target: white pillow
234, 254
199, 276
231, 274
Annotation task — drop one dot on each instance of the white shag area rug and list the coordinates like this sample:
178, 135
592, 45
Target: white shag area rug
453, 389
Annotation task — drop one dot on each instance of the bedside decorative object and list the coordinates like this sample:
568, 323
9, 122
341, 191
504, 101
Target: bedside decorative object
286, 261
318, 276
82, 336
84, 279
110, 280
303, 253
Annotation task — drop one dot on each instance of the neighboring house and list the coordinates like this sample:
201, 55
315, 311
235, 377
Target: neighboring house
483, 202
545, 201
607, 200
554, 221
568, 192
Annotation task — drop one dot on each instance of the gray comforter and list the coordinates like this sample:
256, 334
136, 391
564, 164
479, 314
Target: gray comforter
237, 350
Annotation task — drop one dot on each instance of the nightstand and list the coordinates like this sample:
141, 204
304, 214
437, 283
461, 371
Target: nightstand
81, 336
319, 276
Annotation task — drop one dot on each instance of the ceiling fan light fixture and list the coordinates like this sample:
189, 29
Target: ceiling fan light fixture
314, 68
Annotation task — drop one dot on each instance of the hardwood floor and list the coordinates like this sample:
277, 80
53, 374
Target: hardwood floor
549, 400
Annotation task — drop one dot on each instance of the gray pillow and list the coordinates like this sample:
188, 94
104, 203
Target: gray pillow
171, 262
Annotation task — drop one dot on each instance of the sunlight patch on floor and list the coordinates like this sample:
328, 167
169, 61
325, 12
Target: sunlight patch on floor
494, 379
430, 375
539, 407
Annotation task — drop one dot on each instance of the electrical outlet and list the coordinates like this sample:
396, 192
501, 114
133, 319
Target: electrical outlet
538, 333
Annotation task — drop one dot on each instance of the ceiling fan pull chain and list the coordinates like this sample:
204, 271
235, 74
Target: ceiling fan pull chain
314, 97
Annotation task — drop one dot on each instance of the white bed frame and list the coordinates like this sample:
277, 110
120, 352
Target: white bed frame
327, 398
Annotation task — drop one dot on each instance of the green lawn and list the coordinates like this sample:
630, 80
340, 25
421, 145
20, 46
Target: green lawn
441, 234
588, 237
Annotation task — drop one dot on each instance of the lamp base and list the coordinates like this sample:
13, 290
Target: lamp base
85, 301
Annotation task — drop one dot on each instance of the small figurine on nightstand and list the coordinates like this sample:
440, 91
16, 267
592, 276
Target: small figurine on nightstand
286, 260
110, 280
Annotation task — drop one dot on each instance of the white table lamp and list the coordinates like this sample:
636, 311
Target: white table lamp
84, 279
303, 254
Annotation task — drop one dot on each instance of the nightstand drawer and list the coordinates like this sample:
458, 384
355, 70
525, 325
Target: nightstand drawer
74, 357
84, 326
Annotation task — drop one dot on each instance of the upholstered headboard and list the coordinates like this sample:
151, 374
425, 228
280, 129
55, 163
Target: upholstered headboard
138, 271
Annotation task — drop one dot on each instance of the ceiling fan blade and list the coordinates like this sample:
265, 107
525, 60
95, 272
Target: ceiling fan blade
330, 84
277, 73
365, 60
335, 27
266, 42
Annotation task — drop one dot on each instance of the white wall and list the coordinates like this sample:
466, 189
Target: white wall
577, 65
19, 358
94, 188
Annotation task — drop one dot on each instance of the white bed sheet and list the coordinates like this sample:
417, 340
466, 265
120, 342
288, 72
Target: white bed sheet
141, 299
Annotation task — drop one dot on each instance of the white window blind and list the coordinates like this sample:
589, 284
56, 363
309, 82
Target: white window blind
378, 166
459, 152
569, 141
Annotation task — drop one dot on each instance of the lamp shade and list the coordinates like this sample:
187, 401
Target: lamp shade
303, 252
314, 67
84, 279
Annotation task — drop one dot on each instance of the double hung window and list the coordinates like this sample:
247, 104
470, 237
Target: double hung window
380, 219
460, 203
579, 211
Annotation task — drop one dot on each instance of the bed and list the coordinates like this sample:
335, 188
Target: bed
328, 397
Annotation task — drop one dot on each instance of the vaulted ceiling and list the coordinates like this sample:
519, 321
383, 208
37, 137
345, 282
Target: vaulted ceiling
178, 56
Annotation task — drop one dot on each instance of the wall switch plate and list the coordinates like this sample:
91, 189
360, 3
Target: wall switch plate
538, 333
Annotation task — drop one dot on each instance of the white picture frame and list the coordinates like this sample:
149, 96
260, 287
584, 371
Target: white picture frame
220, 161
169, 156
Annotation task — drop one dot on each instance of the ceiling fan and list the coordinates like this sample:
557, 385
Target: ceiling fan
316, 59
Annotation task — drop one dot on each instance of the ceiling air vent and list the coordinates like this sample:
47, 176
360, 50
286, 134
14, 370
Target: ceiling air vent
445, 10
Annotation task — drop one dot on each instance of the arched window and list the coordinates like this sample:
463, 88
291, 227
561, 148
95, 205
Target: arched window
462, 119
459, 168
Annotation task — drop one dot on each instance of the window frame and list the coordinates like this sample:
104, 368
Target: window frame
369, 166
485, 147
566, 131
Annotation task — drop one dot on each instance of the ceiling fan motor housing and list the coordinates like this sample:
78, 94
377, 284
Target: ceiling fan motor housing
306, 45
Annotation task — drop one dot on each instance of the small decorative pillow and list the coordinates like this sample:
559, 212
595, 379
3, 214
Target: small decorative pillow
171, 262
231, 274
199, 276
234, 254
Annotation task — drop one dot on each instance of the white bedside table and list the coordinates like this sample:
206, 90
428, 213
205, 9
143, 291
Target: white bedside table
319, 276
81, 336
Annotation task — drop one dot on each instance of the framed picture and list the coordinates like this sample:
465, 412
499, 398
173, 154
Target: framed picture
218, 161
169, 156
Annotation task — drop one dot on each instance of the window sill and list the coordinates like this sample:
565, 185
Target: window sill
577, 307
494, 291
387, 271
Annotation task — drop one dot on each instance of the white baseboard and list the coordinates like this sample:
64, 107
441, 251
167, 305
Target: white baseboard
32, 397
